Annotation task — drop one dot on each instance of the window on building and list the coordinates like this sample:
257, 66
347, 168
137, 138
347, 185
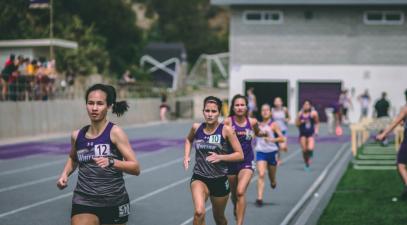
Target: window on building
263, 17
384, 18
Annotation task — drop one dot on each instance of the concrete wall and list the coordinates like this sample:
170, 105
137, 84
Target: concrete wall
334, 35
18, 119
391, 79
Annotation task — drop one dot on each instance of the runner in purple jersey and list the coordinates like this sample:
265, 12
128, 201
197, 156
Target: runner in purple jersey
308, 124
240, 174
102, 152
402, 153
212, 141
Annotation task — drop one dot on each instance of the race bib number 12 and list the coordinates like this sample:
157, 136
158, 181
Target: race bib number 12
102, 150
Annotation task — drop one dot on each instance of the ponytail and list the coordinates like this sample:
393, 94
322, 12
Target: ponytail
119, 108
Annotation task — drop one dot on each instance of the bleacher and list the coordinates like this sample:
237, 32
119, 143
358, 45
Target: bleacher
370, 154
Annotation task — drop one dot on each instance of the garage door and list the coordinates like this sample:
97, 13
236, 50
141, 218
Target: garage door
266, 91
321, 94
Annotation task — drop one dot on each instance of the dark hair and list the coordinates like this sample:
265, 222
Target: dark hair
384, 94
306, 100
163, 97
213, 99
119, 108
405, 93
231, 111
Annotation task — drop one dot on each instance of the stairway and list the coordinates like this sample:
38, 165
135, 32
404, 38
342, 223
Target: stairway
373, 156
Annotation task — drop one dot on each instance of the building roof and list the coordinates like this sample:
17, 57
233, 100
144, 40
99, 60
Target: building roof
164, 51
309, 2
38, 43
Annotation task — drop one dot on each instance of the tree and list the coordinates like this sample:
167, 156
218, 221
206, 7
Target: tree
186, 21
90, 57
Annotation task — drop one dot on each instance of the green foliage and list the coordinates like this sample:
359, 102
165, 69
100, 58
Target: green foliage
109, 40
187, 21
90, 57
115, 21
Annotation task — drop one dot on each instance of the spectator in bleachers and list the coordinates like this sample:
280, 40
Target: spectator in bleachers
12, 71
8, 69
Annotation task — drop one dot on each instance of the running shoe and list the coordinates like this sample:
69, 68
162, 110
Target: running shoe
273, 185
259, 202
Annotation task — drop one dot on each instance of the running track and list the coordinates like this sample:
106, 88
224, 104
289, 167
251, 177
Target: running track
160, 195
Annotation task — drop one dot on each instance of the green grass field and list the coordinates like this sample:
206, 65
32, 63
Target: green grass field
366, 197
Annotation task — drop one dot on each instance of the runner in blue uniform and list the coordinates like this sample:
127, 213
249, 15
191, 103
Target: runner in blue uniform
308, 124
102, 152
402, 153
267, 151
212, 141
240, 173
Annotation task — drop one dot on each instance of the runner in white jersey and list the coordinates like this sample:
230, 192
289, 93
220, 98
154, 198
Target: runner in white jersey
280, 114
267, 151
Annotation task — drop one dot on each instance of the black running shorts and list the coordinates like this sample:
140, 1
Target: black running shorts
218, 187
107, 215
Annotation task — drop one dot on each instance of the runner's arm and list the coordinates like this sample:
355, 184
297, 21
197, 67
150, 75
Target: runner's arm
237, 154
70, 164
287, 115
188, 145
316, 118
397, 121
298, 122
130, 163
255, 124
276, 129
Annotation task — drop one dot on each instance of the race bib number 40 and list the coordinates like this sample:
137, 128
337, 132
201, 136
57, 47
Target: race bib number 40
102, 150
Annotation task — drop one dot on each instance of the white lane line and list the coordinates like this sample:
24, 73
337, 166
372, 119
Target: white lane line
313, 187
34, 182
135, 200
28, 168
35, 205
253, 179
166, 187
26, 184
192, 218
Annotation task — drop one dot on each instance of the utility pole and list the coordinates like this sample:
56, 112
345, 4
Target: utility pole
51, 30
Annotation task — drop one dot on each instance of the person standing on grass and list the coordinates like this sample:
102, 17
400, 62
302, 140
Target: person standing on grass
402, 153
211, 140
102, 152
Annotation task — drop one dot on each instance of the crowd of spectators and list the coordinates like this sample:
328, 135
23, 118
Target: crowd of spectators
27, 79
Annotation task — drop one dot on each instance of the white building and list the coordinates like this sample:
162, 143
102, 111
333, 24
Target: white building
32, 48
300, 49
